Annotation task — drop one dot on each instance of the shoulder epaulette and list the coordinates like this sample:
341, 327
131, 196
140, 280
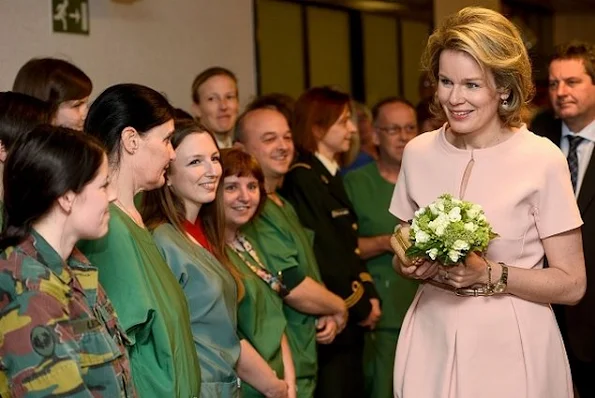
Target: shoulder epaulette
304, 165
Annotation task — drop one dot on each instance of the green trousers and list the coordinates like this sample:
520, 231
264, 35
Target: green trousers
379, 361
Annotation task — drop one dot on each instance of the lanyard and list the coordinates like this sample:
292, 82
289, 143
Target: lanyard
241, 245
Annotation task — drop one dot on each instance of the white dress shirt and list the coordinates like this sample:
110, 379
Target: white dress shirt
224, 140
331, 165
584, 150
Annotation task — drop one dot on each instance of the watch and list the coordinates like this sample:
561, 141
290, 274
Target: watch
500, 286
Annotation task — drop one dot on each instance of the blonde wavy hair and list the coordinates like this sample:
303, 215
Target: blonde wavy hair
496, 45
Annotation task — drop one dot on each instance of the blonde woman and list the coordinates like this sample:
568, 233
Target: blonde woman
498, 336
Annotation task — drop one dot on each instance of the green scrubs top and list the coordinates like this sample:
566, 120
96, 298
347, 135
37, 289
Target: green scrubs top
260, 317
370, 194
151, 306
289, 245
212, 298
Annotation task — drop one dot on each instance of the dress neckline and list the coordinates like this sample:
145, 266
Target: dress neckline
488, 151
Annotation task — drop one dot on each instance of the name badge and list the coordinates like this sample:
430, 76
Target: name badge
339, 213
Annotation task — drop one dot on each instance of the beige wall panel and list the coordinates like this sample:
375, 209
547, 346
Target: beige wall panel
414, 38
280, 47
569, 27
380, 57
328, 36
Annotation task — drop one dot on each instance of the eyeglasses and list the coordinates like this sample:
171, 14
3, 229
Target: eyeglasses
394, 129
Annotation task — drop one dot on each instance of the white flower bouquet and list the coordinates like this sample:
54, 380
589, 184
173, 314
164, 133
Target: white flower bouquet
448, 229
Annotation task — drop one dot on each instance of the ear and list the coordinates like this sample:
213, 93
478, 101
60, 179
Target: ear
375, 138
504, 95
3, 153
196, 110
130, 140
239, 145
318, 132
66, 201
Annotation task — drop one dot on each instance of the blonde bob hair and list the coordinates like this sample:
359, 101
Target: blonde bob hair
496, 45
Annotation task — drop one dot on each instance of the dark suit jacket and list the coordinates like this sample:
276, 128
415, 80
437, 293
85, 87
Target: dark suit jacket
579, 320
322, 205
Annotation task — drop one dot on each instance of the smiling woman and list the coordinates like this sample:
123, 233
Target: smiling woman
176, 214
471, 344
64, 86
215, 102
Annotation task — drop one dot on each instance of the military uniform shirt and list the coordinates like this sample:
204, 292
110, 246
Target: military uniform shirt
59, 334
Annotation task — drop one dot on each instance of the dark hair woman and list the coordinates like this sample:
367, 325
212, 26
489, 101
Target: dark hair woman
19, 114
63, 85
135, 123
60, 333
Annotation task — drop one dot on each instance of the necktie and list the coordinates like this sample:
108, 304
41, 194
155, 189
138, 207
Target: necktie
574, 141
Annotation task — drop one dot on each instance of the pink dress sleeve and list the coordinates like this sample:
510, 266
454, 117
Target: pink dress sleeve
557, 210
401, 204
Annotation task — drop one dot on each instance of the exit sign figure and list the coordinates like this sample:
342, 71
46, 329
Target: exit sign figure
70, 16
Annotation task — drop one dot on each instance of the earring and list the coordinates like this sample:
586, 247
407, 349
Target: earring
504, 103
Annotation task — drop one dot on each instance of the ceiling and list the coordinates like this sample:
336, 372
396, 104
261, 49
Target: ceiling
422, 9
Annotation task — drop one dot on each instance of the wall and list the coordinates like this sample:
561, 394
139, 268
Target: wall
443, 8
162, 44
280, 47
381, 67
573, 26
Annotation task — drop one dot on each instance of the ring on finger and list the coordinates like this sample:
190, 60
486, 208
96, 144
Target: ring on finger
446, 276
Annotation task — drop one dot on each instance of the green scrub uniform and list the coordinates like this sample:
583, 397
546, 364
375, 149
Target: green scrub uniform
289, 246
260, 317
151, 307
212, 298
370, 194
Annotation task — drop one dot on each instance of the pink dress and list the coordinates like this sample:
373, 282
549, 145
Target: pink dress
487, 347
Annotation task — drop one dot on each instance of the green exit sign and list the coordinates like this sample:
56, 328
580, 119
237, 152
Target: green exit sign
70, 16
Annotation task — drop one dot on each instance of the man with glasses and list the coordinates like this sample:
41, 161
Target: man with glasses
370, 189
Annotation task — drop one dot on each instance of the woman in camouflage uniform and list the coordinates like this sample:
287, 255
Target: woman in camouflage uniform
59, 334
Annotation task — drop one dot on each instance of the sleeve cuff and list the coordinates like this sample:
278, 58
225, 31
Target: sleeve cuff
358, 303
292, 277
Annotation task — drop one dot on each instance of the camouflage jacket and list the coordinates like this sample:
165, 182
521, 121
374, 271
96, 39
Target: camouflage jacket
59, 334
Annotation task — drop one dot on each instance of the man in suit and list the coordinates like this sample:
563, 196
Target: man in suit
571, 125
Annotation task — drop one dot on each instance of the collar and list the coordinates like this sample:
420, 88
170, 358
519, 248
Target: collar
224, 140
331, 165
587, 133
47, 255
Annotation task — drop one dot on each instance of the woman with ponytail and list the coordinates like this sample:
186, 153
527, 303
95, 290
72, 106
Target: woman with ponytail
60, 333
135, 123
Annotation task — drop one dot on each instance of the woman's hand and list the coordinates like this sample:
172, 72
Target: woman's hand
418, 268
278, 389
473, 272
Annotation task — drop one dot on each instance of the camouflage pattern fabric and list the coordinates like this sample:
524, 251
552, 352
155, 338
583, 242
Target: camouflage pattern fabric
59, 334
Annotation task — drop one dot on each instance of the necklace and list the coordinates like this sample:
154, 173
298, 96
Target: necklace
137, 219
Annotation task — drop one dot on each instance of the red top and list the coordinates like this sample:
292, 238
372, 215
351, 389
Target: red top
197, 231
